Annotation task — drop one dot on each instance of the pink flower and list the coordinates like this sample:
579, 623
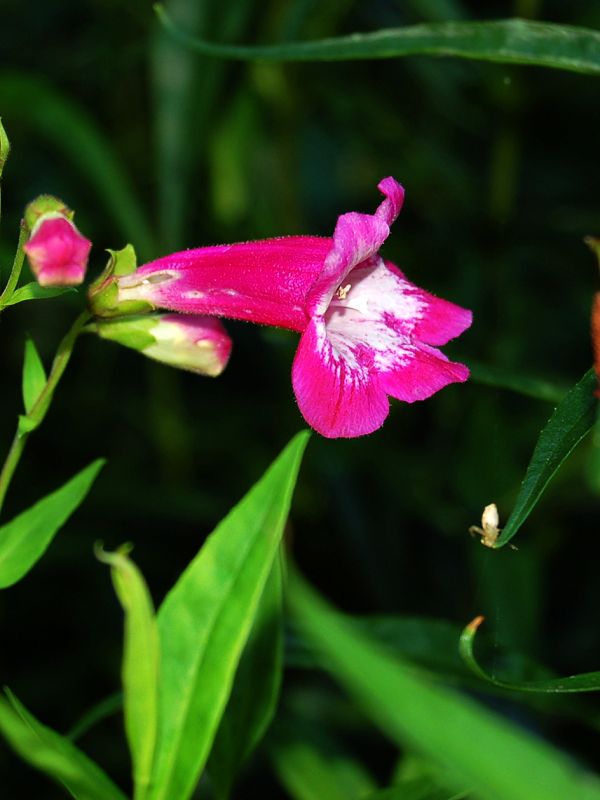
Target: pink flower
366, 331
195, 343
57, 252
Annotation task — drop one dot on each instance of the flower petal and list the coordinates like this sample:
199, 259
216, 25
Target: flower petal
357, 237
421, 373
394, 198
383, 295
337, 398
438, 320
265, 281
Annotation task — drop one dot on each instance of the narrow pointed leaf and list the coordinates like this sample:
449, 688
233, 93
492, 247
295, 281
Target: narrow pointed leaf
510, 41
140, 666
254, 696
205, 621
585, 682
571, 420
25, 538
473, 744
33, 291
100, 711
34, 375
53, 754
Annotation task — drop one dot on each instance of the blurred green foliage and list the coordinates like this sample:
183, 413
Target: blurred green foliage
161, 147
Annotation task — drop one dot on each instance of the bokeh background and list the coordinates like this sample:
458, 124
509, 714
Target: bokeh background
158, 146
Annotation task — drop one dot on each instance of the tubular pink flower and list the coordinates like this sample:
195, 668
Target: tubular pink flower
57, 251
367, 332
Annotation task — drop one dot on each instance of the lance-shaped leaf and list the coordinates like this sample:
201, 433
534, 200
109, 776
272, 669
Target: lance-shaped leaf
255, 692
33, 291
53, 754
567, 426
34, 375
140, 666
25, 538
478, 748
585, 682
510, 41
205, 620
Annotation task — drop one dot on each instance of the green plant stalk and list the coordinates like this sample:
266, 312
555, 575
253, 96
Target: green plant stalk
17, 266
42, 404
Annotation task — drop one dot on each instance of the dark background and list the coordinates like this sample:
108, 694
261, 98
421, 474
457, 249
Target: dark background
500, 169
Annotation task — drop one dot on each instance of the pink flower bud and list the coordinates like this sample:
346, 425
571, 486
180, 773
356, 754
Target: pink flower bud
196, 343
57, 252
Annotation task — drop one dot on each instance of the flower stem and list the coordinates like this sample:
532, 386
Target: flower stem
17, 266
29, 422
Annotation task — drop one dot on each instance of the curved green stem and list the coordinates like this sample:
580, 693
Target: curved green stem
17, 266
29, 422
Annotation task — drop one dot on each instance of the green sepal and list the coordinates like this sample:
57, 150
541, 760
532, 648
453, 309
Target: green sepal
45, 206
103, 294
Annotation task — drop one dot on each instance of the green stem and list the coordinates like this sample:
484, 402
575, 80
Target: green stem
17, 266
29, 422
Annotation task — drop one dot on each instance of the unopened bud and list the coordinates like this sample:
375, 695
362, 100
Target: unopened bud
57, 251
196, 343
103, 295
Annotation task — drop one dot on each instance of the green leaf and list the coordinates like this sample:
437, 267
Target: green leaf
478, 748
140, 666
585, 682
311, 766
571, 420
100, 711
205, 621
511, 41
33, 291
34, 375
54, 755
253, 699
25, 538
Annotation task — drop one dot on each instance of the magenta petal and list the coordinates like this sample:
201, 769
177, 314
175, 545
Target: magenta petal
357, 237
422, 374
265, 281
442, 321
394, 198
439, 320
334, 398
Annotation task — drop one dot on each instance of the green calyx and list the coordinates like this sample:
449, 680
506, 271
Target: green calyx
103, 294
46, 206
132, 331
